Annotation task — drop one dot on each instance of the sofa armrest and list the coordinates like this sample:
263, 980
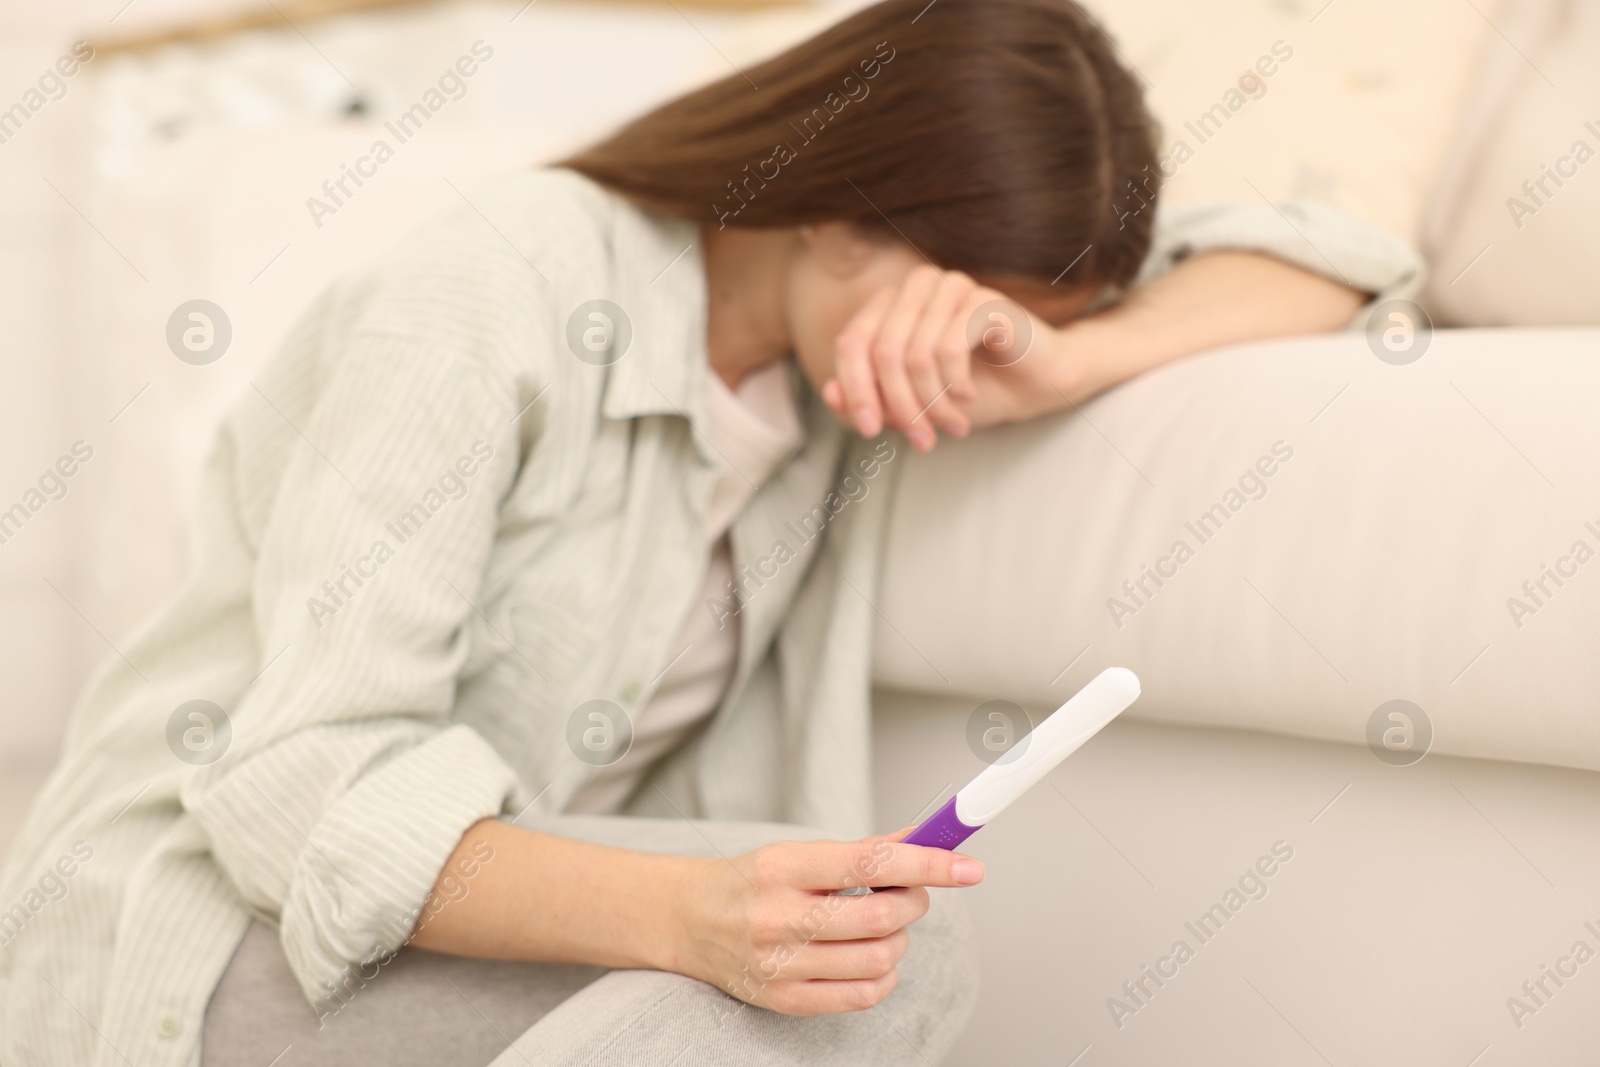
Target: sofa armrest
1279, 536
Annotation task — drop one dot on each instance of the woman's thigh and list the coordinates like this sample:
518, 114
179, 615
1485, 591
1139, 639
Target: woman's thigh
419, 1009
428, 1009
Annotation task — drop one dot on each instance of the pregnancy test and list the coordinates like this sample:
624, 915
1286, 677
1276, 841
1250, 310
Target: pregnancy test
1029, 760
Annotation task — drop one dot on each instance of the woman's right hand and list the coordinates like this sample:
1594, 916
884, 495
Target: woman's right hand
941, 352
771, 928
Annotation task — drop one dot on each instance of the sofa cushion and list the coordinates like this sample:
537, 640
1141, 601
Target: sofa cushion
1349, 103
1280, 536
1511, 238
1413, 904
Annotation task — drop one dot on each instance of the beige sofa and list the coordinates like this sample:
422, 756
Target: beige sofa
1432, 539
1377, 567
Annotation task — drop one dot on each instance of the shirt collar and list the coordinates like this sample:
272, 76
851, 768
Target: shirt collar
658, 274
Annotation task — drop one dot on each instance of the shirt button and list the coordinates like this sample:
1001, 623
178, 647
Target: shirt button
630, 692
171, 1027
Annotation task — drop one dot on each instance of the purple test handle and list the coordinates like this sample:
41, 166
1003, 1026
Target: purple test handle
943, 829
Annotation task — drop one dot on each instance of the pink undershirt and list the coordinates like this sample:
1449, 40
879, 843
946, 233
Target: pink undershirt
754, 429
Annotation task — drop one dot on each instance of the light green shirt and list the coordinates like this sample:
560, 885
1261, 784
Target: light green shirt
426, 534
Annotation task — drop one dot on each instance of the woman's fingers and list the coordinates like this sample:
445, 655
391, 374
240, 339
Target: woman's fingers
828, 866
866, 957
959, 345
833, 396
853, 365
844, 917
905, 359
890, 349
941, 379
827, 996
816, 976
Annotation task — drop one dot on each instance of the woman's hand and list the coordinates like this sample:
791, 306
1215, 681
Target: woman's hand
768, 927
771, 928
937, 352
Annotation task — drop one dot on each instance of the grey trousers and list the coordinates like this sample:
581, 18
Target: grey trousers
429, 1010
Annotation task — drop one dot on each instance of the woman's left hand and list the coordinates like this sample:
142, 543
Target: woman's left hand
940, 352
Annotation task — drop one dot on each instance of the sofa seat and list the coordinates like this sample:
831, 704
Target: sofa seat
1413, 904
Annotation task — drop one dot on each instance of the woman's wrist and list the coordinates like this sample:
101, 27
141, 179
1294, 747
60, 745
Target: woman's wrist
1072, 363
1083, 360
668, 932
648, 917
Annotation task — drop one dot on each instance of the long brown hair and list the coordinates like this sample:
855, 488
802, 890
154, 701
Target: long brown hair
999, 137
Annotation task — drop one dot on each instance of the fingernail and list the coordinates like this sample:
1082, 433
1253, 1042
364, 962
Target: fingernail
966, 871
866, 423
923, 441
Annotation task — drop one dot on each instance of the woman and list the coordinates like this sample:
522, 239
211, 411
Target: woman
539, 522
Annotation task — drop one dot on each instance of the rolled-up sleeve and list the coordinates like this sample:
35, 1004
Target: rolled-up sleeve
1308, 234
346, 784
